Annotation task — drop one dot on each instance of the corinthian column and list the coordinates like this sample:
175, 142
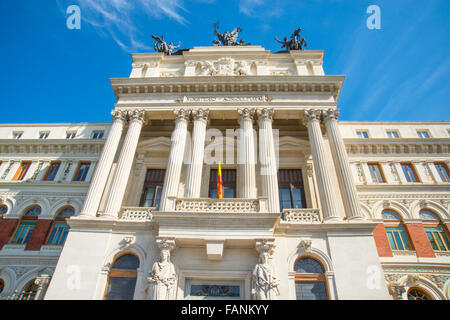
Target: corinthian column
175, 162
341, 163
268, 159
247, 153
194, 174
100, 176
324, 184
126, 157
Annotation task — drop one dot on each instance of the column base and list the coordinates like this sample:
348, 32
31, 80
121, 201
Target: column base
108, 216
357, 219
332, 219
86, 215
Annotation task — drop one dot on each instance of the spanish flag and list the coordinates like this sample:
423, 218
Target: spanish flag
219, 183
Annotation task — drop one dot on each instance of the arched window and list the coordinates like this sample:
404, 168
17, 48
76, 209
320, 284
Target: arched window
417, 294
29, 291
3, 211
60, 228
435, 230
122, 278
26, 225
396, 233
2, 285
310, 281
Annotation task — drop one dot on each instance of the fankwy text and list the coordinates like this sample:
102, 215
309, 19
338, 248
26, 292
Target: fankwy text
246, 309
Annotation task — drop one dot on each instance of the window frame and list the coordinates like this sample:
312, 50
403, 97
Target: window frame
225, 184
152, 183
28, 219
45, 178
442, 165
291, 183
17, 135
66, 228
413, 169
122, 273
311, 277
43, 135
370, 165
85, 173
426, 131
436, 223
395, 132
97, 132
397, 223
71, 134
20, 173
362, 131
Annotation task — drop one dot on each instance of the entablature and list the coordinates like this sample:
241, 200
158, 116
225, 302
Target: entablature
49, 147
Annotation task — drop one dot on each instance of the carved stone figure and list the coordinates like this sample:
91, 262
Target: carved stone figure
228, 38
265, 281
162, 46
295, 43
162, 278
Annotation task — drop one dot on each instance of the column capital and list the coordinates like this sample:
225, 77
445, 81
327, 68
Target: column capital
137, 115
265, 245
181, 114
312, 115
119, 115
265, 114
331, 114
246, 113
200, 114
166, 243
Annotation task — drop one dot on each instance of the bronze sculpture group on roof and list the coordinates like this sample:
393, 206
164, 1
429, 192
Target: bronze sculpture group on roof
296, 42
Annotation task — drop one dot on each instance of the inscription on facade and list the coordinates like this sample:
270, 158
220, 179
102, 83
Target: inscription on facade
226, 99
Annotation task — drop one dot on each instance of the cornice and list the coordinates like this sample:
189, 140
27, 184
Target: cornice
416, 146
51, 146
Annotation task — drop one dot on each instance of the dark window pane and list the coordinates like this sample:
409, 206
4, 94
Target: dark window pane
311, 291
126, 262
228, 183
154, 181
215, 291
391, 241
308, 265
120, 288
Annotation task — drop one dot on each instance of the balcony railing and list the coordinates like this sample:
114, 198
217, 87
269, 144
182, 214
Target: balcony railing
136, 214
227, 205
301, 216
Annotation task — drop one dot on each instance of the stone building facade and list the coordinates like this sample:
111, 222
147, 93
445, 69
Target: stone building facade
313, 207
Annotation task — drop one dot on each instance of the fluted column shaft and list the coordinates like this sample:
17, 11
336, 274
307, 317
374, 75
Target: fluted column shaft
194, 174
98, 182
323, 174
341, 163
247, 154
268, 160
175, 162
124, 164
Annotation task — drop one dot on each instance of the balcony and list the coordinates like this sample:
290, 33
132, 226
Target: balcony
228, 205
301, 216
136, 214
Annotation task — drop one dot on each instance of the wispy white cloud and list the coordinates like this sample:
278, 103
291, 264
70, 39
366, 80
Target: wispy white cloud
116, 18
247, 7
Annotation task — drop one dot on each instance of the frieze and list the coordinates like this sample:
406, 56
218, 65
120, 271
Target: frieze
438, 280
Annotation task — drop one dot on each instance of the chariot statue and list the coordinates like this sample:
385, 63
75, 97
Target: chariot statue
295, 43
228, 38
162, 46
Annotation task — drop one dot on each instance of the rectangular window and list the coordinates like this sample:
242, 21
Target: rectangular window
82, 171
362, 134
17, 134
228, 182
397, 238
393, 134
291, 190
442, 169
376, 172
22, 171
43, 134
97, 134
52, 171
438, 238
23, 232
154, 181
410, 173
311, 290
71, 134
423, 134
58, 234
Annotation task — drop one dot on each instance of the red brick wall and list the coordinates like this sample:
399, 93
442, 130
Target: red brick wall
419, 240
447, 225
7, 227
381, 241
39, 234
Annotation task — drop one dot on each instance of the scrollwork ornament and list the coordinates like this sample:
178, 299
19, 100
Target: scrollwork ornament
265, 114
246, 113
137, 115
331, 114
312, 115
118, 115
200, 114
181, 114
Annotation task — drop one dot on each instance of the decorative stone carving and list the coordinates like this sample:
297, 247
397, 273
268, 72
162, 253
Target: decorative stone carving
305, 245
246, 113
200, 114
42, 282
119, 115
241, 68
162, 278
265, 114
396, 290
301, 215
137, 115
265, 280
312, 115
181, 114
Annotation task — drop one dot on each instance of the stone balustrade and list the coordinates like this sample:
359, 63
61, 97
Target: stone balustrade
136, 214
230, 205
301, 216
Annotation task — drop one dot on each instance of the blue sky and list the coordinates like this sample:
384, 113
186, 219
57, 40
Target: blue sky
53, 74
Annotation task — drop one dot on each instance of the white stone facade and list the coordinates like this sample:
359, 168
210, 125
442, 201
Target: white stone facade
255, 112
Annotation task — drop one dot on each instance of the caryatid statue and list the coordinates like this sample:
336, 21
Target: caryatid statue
265, 280
162, 278
228, 38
